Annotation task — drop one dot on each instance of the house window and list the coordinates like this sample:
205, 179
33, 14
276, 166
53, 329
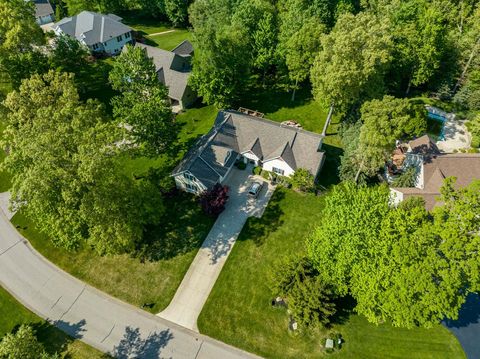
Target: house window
191, 187
278, 171
95, 46
189, 177
119, 38
127, 35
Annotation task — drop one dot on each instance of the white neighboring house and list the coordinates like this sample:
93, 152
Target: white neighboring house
100, 33
238, 136
44, 13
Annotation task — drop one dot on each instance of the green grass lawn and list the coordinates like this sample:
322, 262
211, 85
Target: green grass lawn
173, 244
13, 314
144, 25
239, 312
169, 41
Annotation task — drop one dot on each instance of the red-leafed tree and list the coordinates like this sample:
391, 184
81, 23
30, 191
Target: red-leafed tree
213, 201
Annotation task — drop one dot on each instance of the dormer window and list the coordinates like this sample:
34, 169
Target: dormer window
119, 38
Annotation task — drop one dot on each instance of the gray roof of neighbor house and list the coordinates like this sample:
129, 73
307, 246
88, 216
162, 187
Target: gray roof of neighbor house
43, 8
92, 27
464, 166
173, 70
185, 48
240, 133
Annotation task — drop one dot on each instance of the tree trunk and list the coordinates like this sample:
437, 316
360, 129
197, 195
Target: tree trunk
358, 174
408, 87
469, 62
294, 90
329, 119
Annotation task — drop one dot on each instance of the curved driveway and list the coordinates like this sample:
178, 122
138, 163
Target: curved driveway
92, 316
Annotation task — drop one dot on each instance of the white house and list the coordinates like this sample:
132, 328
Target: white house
238, 136
100, 33
44, 13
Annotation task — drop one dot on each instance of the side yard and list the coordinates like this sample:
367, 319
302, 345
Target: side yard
239, 310
13, 315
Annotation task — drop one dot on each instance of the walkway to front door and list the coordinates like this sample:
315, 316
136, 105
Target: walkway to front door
197, 284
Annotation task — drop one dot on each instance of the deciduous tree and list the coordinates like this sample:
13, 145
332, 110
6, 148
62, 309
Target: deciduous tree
352, 61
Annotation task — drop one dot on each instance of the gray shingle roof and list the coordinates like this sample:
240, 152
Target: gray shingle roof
92, 28
173, 70
242, 133
185, 48
43, 8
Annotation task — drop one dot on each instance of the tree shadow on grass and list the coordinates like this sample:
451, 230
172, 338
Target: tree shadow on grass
345, 306
183, 228
258, 229
57, 336
134, 346
329, 175
273, 99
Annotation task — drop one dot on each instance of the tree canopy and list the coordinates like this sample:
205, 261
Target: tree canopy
64, 157
400, 264
143, 107
352, 61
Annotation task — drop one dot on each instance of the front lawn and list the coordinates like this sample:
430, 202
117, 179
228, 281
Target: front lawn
13, 314
239, 312
172, 244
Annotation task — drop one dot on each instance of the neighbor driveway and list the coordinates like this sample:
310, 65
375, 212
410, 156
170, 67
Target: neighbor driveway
197, 284
92, 316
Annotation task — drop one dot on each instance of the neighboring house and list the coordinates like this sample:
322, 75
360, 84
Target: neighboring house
44, 13
100, 33
239, 136
433, 170
173, 70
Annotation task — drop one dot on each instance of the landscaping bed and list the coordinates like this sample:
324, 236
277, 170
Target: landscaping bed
239, 310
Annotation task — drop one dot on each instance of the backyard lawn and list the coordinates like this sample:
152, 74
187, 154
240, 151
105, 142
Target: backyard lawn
239, 312
169, 40
13, 314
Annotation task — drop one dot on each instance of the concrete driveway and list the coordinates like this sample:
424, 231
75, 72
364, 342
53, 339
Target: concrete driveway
92, 316
197, 284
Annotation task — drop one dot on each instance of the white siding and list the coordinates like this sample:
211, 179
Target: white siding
113, 46
251, 156
278, 163
181, 182
395, 197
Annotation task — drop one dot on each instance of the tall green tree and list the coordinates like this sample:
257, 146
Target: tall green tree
265, 40
384, 122
352, 61
221, 66
19, 36
143, 105
420, 35
66, 171
177, 11
23, 344
400, 264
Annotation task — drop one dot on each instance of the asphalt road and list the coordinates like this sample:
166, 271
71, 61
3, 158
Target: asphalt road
92, 316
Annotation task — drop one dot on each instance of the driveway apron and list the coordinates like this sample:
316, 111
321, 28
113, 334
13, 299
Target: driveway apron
197, 284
